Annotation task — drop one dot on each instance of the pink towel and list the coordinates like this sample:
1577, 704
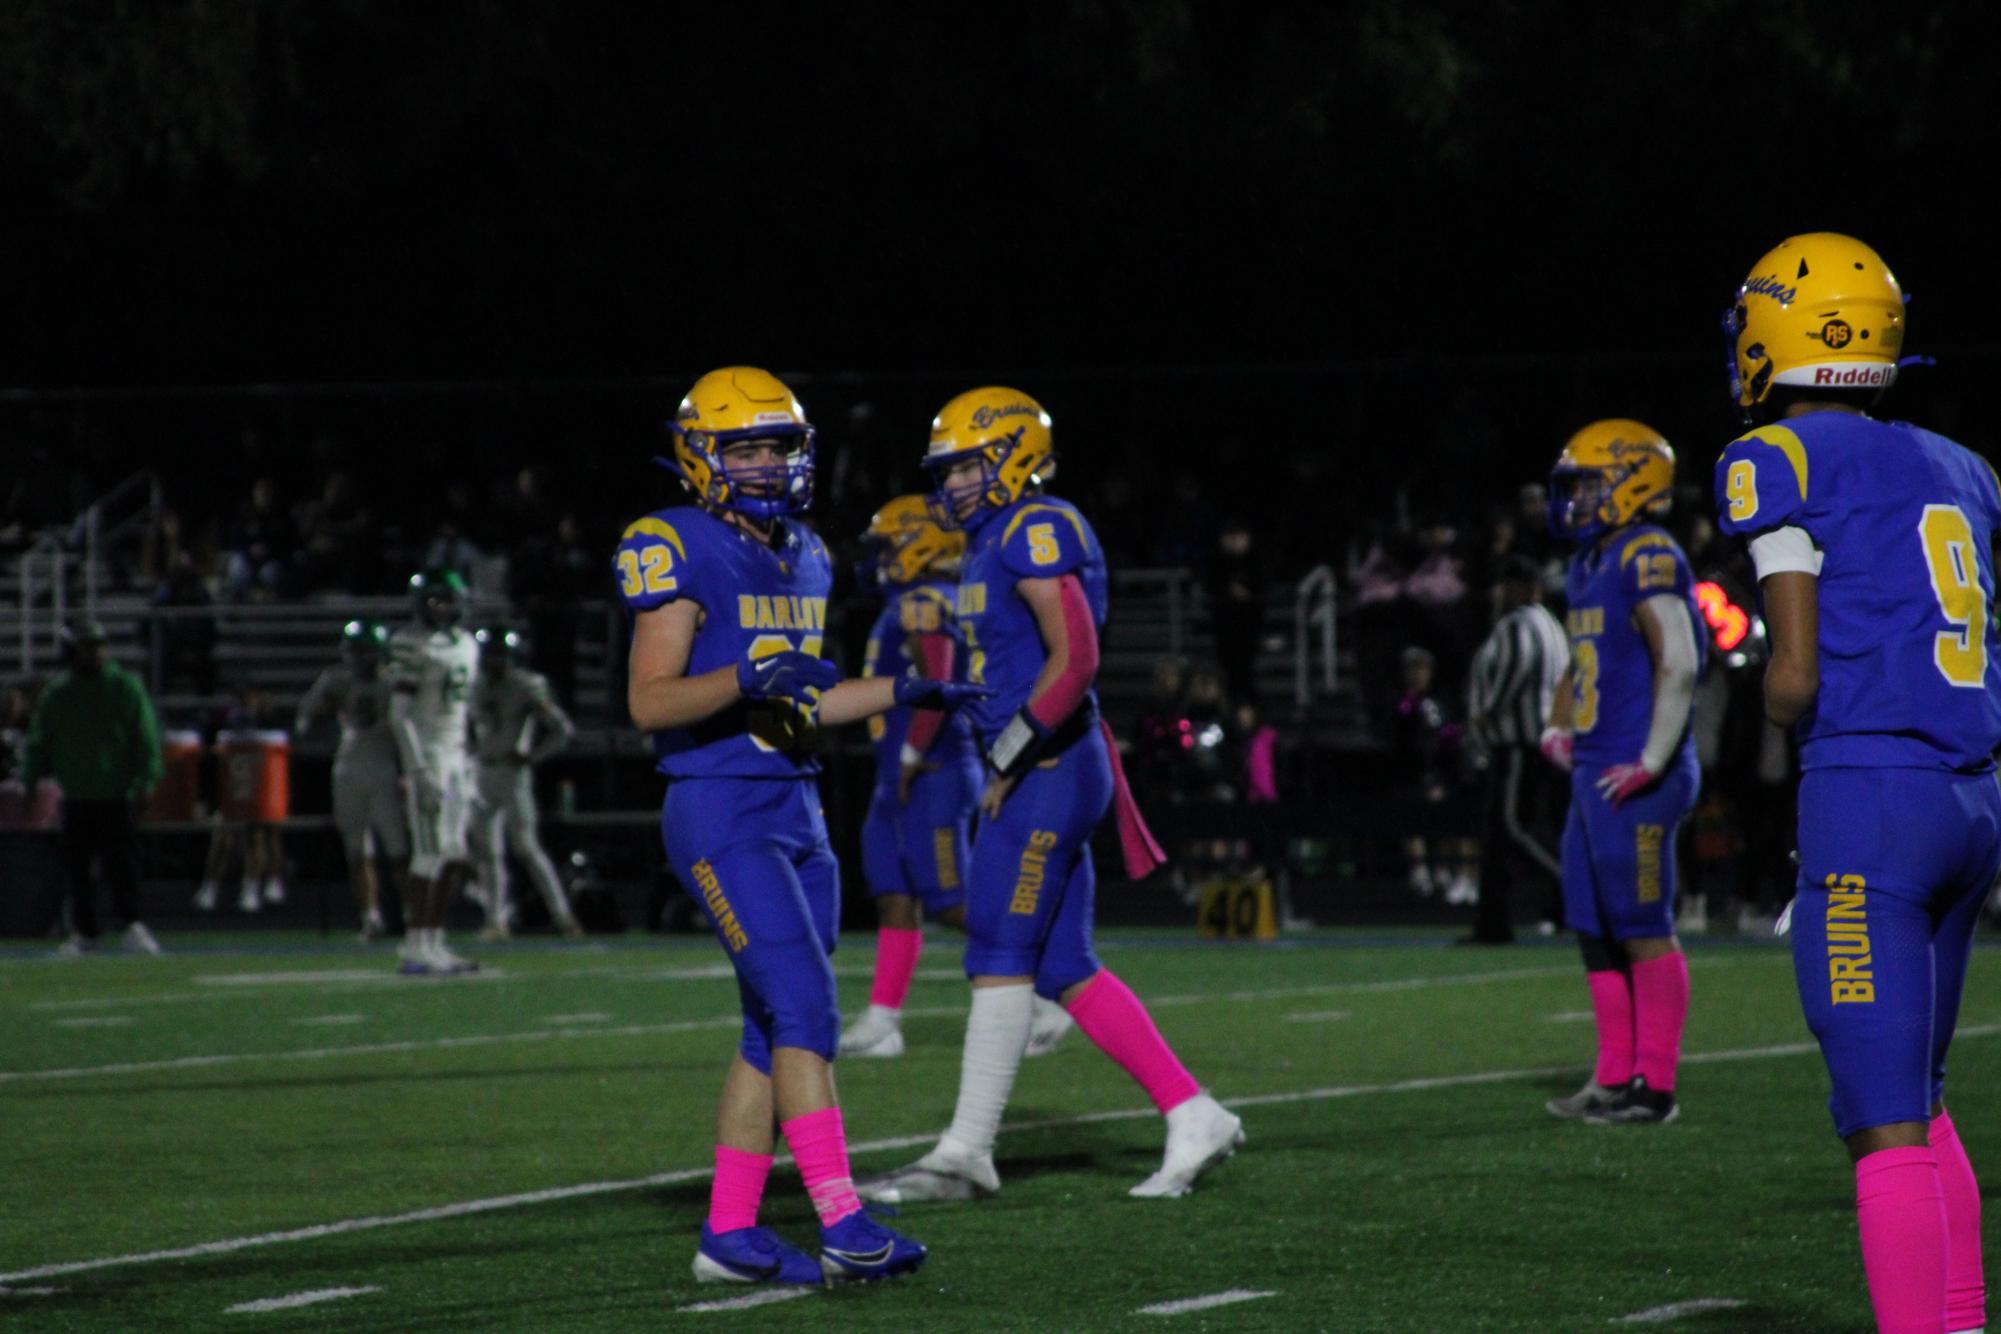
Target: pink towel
1136, 841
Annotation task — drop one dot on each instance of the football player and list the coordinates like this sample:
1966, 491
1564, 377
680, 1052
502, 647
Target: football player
728, 597
927, 773
432, 665
1619, 726
517, 724
366, 807
1031, 601
1872, 545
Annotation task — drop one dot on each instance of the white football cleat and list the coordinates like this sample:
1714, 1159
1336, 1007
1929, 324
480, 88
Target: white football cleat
205, 897
442, 960
138, 940
250, 900
1593, 1097
1462, 892
940, 1175
1046, 1031
1200, 1133
878, 1033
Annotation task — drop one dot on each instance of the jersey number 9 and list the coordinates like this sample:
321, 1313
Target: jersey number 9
1954, 567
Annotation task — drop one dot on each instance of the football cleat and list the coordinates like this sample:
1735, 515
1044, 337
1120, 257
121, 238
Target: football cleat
1594, 1096
859, 1249
1637, 1105
940, 1176
1200, 1134
876, 1034
138, 940
752, 1255
1050, 1025
444, 962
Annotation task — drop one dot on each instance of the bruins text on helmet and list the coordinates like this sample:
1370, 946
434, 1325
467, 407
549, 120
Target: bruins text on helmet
735, 407
1607, 476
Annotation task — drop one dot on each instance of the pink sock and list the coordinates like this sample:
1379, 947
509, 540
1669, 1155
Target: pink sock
820, 1147
737, 1189
1901, 1212
1965, 1284
1660, 1009
1612, 1007
1113, 1017
896, 954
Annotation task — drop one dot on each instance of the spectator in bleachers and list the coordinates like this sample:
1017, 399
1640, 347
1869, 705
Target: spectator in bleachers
185, 633
93, 731
1257, 749
259, 541
1237, 580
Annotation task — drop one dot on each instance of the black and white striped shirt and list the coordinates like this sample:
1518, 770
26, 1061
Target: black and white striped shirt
1514, 677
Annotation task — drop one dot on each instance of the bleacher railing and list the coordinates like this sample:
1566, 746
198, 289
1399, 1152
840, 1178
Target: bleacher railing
1313, 629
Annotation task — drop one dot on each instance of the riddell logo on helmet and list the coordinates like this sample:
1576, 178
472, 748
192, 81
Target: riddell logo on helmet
985, 417
1858, 377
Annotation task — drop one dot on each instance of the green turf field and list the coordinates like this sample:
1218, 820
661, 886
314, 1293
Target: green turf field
1400, 1172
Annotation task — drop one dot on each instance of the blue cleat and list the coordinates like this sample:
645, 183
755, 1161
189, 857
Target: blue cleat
752, 1255
859, 1249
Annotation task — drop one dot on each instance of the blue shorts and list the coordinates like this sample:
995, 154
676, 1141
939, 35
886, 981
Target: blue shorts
1618, 861
921, 849
1894, 865
1033, 891
753, 853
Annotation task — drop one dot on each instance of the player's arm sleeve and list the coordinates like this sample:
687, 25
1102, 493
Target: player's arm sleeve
651, 566
934, 654
1675, 665
1073, 662
1762, 483
1785, 549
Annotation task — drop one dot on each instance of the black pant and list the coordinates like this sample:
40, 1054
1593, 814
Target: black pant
102, 830
1522, 812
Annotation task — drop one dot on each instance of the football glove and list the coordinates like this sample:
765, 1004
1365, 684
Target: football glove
927, 693
790, 675
1623, 780
1555, 747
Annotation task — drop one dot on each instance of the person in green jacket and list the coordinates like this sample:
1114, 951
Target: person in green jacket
93, 732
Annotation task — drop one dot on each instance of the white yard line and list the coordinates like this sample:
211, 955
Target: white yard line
1572, 1017
1660, 1315
332, 1020
726, 1021
1214, 1299
744, 1303
557, 1193
594, 1017
1317, 1016
313, 1298
30, 1292
93, 1021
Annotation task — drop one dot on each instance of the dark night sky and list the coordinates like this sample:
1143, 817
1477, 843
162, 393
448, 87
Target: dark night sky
371, 190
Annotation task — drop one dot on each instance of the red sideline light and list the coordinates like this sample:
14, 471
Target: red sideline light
1728, 622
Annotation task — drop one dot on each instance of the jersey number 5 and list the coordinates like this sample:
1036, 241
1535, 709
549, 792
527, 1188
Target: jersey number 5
1042, 548
1584, 685
1954, 567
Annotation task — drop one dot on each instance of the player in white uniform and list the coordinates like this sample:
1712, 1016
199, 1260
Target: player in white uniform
432, 664
367, 804
517, 724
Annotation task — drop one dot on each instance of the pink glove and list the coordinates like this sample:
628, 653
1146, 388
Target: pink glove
1623, 780
1555, 746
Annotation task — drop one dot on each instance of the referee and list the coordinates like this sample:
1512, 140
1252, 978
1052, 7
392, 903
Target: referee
1511, 684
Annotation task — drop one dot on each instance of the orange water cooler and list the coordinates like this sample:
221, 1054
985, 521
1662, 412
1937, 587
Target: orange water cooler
178, 796
256, 786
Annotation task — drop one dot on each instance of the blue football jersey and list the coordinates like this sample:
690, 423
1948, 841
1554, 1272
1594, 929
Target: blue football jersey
757, 600
1612, 674
922, 608
1903, 519
1037, 537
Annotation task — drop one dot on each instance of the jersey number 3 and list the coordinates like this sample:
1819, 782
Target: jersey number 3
1954, 567
649, 570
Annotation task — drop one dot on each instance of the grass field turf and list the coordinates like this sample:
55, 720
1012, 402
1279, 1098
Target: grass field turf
1400, 1174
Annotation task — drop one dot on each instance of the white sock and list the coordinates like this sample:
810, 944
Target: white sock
996, 1037
210, 888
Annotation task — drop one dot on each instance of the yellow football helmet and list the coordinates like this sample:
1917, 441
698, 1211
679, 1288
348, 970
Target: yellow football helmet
1608, 475
734, 404
906, 541
1822, 311
1010, 434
